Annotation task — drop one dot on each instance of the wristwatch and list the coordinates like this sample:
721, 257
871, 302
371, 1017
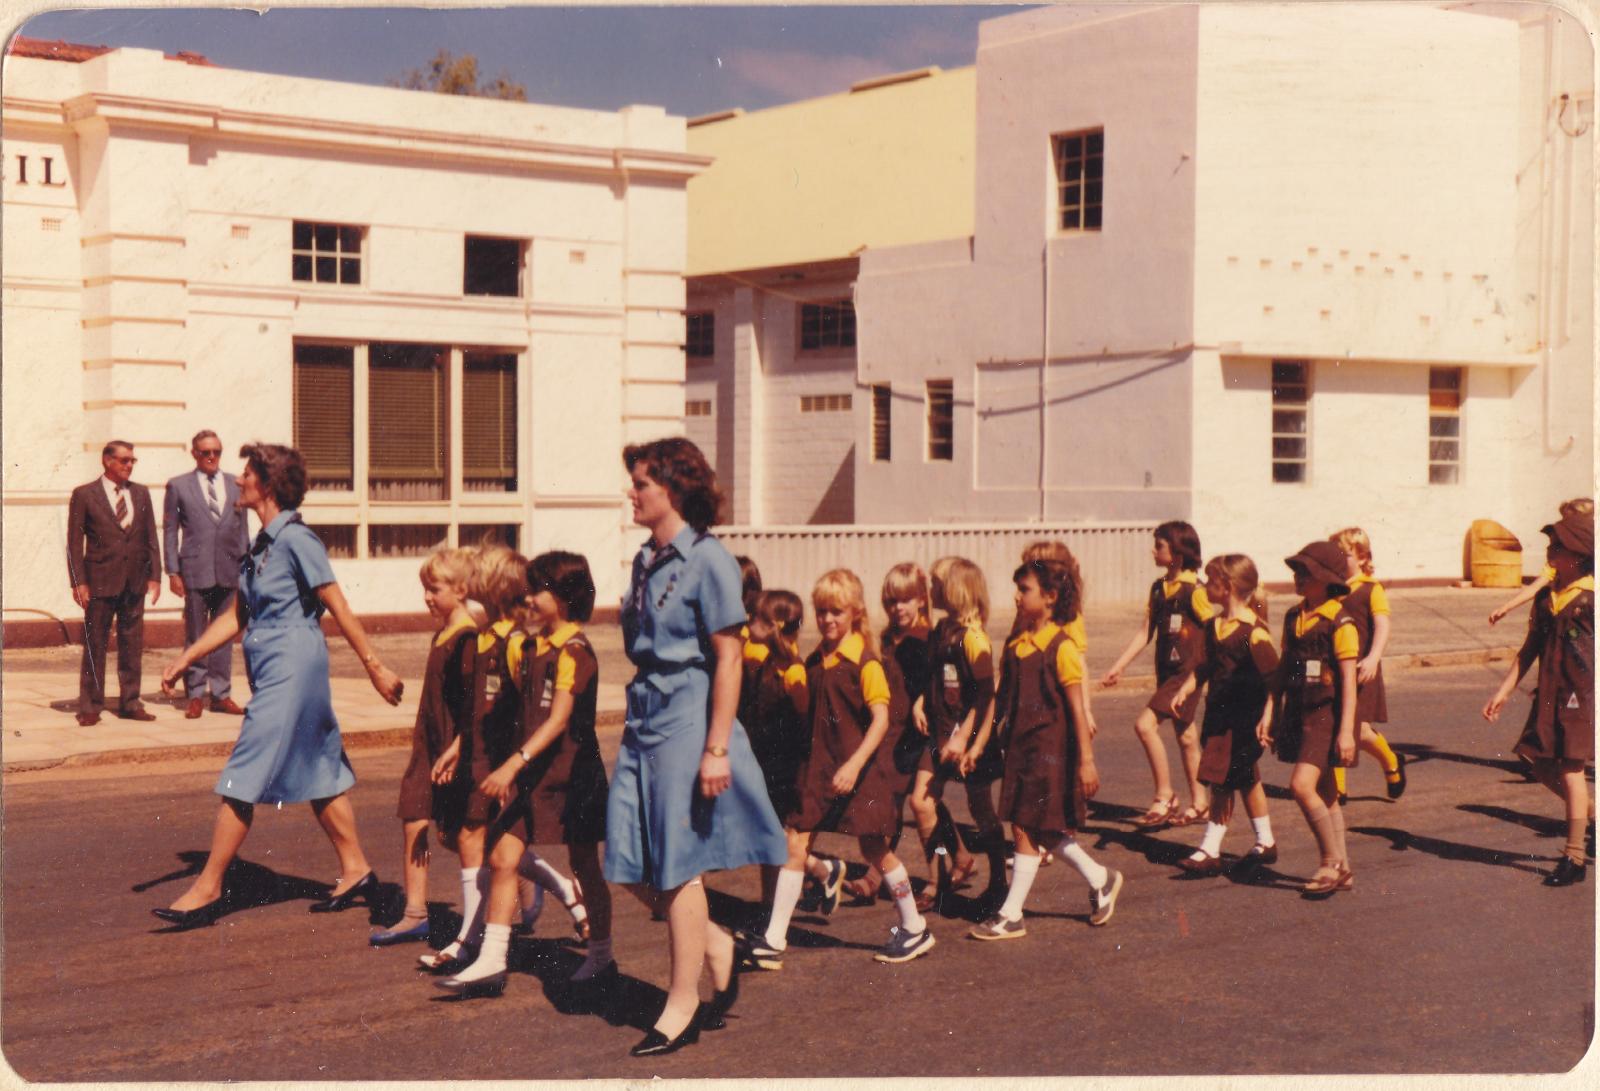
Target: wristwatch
717, 751
527, 758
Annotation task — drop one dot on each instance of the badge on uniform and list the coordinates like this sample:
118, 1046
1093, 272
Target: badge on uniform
951, 678
491, 685
1175, 623
1572, 701
1313, 670
549, 693
1174, 656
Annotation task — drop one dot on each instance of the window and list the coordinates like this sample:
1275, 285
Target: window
326, 253
339, 539
1444, 425
472, 535
941, 420
493, 266
405, 540
697, 407
1291, 420
880, 422
489, 422
324, 397
1080, 167
700, 335
407, 440
828, 325
824, 403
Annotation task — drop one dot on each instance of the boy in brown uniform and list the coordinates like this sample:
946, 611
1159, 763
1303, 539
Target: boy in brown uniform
1559, 735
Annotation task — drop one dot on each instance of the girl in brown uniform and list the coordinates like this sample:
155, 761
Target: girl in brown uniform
848, 782
1175, 617
1316, 705
1049, 757
1368, 603
773, 704
1559, 735
1238, 662
550, 785
442, 712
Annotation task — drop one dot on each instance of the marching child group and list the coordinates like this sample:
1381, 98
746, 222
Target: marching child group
506, 761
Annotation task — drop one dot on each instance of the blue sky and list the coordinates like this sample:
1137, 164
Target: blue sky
690, 60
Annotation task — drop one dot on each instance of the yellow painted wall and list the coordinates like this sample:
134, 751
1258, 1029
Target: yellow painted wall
822, 178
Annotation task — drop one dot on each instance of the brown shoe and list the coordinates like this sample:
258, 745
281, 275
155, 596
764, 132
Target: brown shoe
88, 719
140, 714
194, 708
225, 704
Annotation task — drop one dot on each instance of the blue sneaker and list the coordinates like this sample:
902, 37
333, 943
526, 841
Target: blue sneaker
904, 946
391, 936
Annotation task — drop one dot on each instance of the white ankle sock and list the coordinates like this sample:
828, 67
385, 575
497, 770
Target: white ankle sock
598, 958
491, 958
474, 892
900, 886
785, 896
1211, 843
1072, 852
1263, 828
1023, 870
535, 867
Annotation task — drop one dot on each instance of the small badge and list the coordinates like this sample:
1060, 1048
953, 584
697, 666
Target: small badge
1174, 656
1175, 624
1572, 701
549, 693
491, 685
951, 678
1313, 670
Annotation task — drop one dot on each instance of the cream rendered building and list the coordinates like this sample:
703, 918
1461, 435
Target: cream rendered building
1291, 268
459, 309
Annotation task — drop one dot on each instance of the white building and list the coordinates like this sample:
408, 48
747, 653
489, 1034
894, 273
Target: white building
459, 309
1289, 269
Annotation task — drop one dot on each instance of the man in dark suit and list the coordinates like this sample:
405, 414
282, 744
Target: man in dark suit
113, 560
204, 537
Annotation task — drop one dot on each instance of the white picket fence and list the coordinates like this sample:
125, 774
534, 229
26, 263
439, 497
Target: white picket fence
1114, 557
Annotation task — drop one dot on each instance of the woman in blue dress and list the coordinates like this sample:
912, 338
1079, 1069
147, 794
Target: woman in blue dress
289, 749
687, 796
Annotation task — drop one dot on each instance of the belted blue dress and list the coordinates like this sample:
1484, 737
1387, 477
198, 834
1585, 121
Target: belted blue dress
289, 748
660, 829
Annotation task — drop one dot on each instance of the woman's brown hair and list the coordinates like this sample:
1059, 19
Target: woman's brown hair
677, 465
281, 471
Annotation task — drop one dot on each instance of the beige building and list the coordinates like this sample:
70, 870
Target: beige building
1274, 270
459, 309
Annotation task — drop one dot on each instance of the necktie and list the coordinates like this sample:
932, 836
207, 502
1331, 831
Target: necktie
122, 507
263, 540
211, 496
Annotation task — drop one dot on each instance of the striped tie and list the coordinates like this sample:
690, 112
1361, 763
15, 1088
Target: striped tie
122, 507
211, 496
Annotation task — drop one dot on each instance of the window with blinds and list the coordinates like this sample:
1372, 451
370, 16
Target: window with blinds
941, 420
828, 325
407, 415
473, 535
407, 540
489, 422
324, 421
880, 423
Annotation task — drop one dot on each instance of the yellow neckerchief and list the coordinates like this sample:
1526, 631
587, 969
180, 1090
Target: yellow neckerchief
852, 647
1170, 588
1308, 617
1031, 640
1226, 625
1560, 599
558, 636
444, 635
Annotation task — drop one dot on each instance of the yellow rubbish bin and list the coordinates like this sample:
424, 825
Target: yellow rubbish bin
1496, 555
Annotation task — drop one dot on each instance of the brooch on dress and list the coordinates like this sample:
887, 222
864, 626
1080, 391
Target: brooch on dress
672, 581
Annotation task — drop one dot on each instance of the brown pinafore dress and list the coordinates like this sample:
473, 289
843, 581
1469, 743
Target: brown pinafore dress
1372, 704
1040, 787
774, 716
956, 686
906, 663
1308, 700
840, 716
1179, 632
496, 709
1561, 722
443, 710
1235, 673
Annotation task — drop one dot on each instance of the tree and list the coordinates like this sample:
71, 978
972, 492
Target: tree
452, 75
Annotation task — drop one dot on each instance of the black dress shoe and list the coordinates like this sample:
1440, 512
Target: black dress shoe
1397, 787
364, 889
710, 1014
1567, 873
137, 714
656, 1044
493, 985
1211, 865
186, 919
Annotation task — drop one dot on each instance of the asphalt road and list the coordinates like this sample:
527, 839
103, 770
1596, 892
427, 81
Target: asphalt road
1449, 956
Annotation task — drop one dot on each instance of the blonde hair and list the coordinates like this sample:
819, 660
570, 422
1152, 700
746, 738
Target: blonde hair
1355, 540
966, 593
1578, 505
500, 582
1239, 573
841, 589
905, 581
1047, 551
446, 567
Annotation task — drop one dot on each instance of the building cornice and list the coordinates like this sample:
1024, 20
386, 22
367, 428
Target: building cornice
134, 112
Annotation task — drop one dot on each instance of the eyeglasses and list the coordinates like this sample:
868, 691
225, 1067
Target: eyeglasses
126, 460
206, 452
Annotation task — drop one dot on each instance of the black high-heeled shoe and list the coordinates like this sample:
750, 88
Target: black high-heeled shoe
185, 919
710, 1014
656, 1044
364, 889
493, 985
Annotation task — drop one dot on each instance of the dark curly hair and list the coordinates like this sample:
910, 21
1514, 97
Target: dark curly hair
1060, 578
281, 471
1184, 541
566, 576
678, 466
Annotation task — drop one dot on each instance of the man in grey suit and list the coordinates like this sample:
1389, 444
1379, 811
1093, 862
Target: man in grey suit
113, 560
204, 532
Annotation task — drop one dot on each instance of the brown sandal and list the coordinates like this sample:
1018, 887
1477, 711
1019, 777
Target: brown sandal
1323, 886
960, 874
1161, 813
1188, 817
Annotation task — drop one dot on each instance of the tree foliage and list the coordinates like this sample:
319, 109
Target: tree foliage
449, 74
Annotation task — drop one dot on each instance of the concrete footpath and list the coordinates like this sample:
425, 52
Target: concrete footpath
38, 687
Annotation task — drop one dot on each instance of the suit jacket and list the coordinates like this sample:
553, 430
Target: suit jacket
204, 550
103, 555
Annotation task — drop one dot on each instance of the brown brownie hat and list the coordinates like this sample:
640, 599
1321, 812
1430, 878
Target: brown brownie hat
1324, 562
1574, 532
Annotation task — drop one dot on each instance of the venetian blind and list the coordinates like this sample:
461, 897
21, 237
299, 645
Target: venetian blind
406, 412
324, 392
489, 417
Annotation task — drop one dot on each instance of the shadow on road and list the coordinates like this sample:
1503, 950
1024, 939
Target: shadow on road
1539, 824
246, 885
1403, 840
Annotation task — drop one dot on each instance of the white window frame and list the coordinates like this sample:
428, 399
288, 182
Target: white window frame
1284, 407
1446, 419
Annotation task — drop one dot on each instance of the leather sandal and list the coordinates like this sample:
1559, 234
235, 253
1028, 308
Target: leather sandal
1189, 816
961, 874
1161, 813
1322, 885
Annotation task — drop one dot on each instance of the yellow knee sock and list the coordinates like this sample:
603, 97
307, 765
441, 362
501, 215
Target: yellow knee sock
1391, 764
1338, 779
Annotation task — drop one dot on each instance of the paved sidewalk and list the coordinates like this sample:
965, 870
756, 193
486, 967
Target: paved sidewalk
1434, 626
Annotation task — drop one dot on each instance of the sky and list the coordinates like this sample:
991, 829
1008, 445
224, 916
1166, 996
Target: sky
690, 60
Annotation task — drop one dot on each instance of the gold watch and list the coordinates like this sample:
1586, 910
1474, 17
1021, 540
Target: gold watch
717, 751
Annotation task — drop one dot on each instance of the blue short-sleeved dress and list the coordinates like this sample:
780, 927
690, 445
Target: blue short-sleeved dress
289, 749
660, 830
